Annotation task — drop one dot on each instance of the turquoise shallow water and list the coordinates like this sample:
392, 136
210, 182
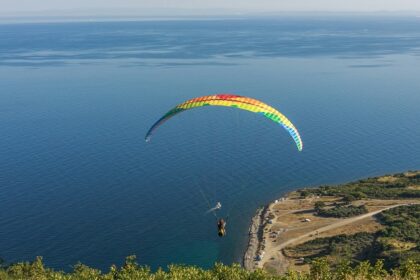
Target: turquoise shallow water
78, 183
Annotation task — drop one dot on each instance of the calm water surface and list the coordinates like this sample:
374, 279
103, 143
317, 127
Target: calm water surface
78, 183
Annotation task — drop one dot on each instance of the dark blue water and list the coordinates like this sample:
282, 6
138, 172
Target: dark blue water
78, 183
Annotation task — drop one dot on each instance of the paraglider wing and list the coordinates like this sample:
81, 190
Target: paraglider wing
236, 101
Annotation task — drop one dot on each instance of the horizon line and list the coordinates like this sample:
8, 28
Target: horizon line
29, 18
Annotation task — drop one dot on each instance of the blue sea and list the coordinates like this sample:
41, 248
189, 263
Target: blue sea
78, 182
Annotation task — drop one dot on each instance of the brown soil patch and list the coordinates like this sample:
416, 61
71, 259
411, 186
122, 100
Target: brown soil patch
366, 225
411, 173
387, 179
415, 187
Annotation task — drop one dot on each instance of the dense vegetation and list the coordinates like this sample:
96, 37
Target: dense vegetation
396, 243
342, 211
402, 222
397, 186
400, 239
320, 270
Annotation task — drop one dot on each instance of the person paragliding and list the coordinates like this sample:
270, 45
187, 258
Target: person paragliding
233, 101
221, 227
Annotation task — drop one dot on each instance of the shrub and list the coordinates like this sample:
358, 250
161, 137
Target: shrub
340, 211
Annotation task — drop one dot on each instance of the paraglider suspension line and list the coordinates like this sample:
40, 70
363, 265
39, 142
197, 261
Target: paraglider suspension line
208, 203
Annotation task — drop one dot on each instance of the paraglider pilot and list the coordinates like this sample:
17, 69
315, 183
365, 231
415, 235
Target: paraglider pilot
221, 227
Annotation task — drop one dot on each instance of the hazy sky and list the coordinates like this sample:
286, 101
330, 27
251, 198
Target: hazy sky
12, 7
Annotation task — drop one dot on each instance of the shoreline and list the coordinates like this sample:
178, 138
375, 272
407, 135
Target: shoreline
255, 237
255, 247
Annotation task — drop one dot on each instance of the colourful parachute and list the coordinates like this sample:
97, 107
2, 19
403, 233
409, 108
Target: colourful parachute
236, 101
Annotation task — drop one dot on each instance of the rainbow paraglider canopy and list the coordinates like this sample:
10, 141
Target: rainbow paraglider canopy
236, 101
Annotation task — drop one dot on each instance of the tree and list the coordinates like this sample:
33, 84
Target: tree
319, 205
348, 198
